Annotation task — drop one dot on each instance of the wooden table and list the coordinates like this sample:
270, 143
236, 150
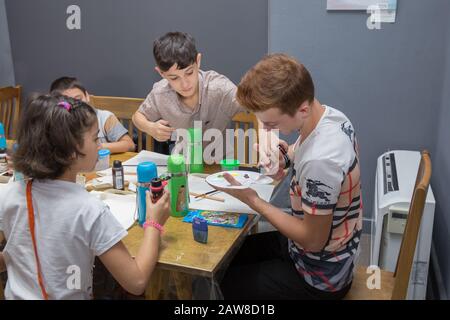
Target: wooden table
181, 257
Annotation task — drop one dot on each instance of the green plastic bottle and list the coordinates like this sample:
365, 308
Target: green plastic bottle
195, 150
178, 186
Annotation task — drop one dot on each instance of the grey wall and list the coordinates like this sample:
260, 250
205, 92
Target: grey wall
112, 53
6, 64
388, 81
441, 176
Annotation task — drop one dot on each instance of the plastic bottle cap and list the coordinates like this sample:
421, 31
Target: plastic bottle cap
117, 164
146, 171
104, 153
156, 183
176, 163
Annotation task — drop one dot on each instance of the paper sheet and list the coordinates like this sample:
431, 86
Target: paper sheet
131, 164
123, 207
143, 156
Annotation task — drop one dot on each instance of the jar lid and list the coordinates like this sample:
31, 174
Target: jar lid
104, 152
156, 183
117, 164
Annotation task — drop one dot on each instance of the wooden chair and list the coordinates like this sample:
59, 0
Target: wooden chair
394, 286
124, 108
10, 109
247, 121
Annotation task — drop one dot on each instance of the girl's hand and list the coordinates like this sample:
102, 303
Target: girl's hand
158, 212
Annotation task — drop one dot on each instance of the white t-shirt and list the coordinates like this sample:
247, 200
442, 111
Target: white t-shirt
71, 227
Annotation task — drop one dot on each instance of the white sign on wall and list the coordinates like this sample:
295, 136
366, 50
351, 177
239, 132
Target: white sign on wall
360, 4
379, 10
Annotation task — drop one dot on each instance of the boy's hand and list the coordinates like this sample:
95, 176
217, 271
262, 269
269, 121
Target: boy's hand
273, 161
247, 195
161, 130
159, 211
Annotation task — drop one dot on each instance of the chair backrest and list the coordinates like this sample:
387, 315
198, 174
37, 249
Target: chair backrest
124, 108
245, 126
10, 109
408, 245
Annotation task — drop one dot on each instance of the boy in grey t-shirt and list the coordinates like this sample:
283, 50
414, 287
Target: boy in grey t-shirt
186, 93
112, 134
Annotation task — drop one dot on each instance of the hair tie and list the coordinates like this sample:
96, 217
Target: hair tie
65, 105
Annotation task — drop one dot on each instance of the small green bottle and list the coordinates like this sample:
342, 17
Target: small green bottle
178, 186
195, 150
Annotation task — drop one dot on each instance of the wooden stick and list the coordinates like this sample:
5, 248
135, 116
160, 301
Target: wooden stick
203, 196
207, 193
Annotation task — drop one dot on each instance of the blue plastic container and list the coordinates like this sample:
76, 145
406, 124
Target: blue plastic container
3, 144
146, 171
200, 230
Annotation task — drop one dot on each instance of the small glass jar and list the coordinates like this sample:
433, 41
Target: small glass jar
103, 160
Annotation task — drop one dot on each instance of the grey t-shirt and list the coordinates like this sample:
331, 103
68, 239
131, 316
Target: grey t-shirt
114, 131
217, 103
71, 227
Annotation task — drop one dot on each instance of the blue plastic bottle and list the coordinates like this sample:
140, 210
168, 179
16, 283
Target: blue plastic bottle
146, 171
3, 147
3, 144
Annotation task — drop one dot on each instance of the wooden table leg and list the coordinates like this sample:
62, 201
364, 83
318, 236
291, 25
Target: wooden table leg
254, 229
183, 285
158, 285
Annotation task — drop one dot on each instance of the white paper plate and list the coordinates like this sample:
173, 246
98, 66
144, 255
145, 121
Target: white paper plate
246, 178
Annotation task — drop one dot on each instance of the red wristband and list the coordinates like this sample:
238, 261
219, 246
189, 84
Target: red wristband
151, 223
